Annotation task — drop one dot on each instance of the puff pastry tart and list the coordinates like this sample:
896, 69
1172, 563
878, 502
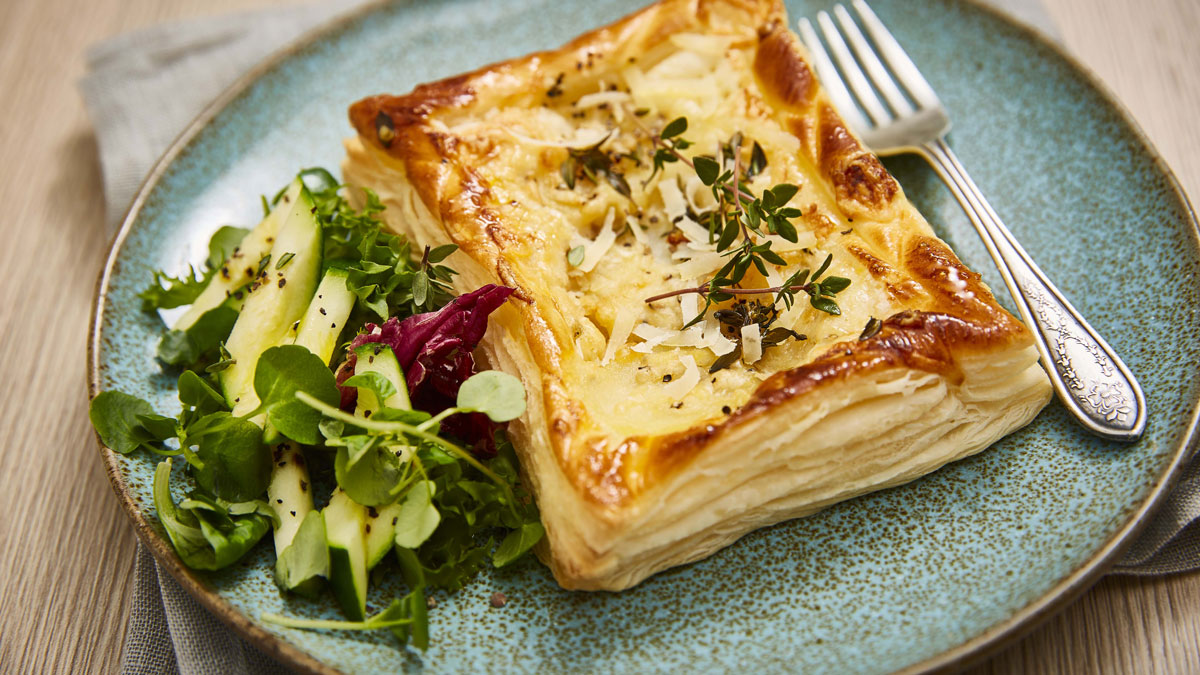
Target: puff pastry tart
640, 458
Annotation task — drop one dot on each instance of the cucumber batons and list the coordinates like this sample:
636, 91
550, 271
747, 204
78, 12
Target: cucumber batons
277, 299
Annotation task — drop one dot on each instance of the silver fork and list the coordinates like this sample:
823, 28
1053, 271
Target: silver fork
1090, 379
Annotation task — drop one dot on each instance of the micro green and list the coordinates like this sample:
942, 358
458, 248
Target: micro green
305, 562
282, 372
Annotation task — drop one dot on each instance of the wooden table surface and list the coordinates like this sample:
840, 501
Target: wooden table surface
67, 550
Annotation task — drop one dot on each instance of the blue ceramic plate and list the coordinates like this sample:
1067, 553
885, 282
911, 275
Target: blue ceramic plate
920, 576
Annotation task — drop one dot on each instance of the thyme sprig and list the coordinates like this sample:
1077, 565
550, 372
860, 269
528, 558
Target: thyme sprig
739, 216
821, 293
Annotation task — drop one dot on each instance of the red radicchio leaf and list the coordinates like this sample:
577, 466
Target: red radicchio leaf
434, 350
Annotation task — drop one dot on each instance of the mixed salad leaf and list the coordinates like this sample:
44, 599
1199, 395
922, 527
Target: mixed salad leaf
411, 457
434, 350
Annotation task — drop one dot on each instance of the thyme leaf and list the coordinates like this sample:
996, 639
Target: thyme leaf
594, 164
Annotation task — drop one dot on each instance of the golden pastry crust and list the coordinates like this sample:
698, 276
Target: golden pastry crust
949, 372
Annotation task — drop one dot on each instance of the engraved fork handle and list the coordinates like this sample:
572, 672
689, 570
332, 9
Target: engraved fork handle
1090, 379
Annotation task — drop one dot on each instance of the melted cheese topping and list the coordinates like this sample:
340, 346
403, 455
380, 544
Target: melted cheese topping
650, 242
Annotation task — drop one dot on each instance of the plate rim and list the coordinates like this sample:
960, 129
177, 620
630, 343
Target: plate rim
993, 639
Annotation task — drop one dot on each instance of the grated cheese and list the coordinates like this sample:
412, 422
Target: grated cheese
714, 340
700, 265
680, 386
674, 203
689, 308
622, 327
696, 234
698, 195
636, 228
652, 335
594, 250
751, 343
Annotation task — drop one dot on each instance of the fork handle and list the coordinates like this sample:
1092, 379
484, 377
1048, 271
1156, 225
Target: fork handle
1090, 379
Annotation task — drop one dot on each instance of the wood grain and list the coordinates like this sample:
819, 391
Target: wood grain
67, 553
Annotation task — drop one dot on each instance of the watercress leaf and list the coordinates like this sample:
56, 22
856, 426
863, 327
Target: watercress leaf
195, 392
674, 128
204, 538
377, 384
302, 565
825, 305
114, 414
706, 168
228, 545
331, 428
181, 527
156, 428
186, 347
368, 471
281, 372
222, 243
834, 285
233, 462
175, 348
258, 506
498, 395
517, 542
418, 517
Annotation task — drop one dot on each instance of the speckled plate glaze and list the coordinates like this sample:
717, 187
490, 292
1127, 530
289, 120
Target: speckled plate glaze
924, 576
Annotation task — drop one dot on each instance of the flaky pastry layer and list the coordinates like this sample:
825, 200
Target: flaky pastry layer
631, 475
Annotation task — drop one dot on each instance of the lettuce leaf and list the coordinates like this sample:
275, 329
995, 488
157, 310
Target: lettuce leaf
434, 350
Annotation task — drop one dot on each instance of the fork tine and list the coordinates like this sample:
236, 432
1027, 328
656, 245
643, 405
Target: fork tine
853, 74
907, 72
830, 80
875, 69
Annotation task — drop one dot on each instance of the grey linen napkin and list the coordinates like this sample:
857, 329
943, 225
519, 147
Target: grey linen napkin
141, 90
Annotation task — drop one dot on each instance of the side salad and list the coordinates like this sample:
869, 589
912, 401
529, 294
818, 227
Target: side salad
328, 394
